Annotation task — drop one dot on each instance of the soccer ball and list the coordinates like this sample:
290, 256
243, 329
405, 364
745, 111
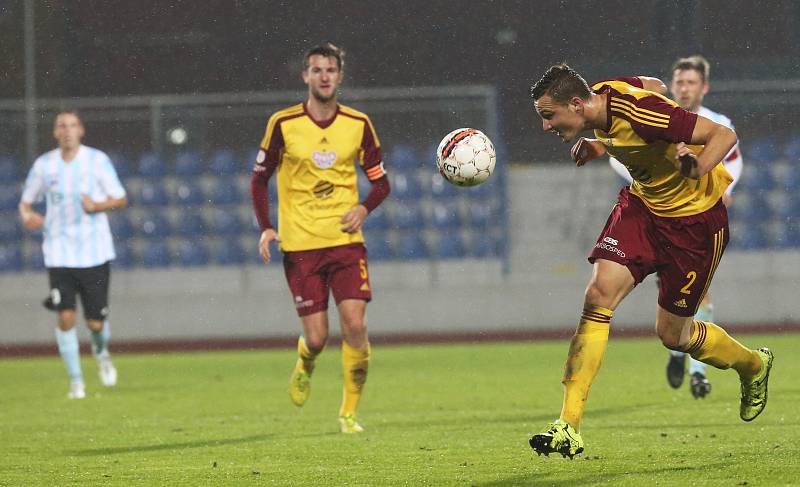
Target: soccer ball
466, 157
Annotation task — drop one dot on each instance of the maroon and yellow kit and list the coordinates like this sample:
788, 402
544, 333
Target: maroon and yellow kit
316, 164
642, 133
665, 223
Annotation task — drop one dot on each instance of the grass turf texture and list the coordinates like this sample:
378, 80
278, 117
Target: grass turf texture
435, 415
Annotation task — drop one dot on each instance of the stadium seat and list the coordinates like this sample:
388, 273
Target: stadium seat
225, 191
408, 217
791, 149
751, 236
121, 163
10, 258
154, 226
483, 246
151, 165
188, 193
445, 216
378, 247
403, 157
188, 163
787, 235
763, 149
190, 224
480, 214
441, 189
121, 227
405, 186
192, 253
230, 252
153, 193
751, 206
156, 254
411, 246
450, 246
125, 258
377, 220
10, 227
9, 196
10, 169
34, 261
226, 223
224, 163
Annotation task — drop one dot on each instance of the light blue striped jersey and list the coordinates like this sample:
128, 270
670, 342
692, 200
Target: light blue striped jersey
72, 237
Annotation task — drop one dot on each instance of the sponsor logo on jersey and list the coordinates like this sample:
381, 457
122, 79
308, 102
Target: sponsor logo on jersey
261, 157
324, 159
299, 302
609, 248
324, 140
323, 189
611, 241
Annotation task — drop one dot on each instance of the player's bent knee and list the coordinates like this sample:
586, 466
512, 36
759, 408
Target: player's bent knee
669, 337
600, 295
316, 344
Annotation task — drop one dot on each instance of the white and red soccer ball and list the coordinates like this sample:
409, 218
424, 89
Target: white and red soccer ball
466, 157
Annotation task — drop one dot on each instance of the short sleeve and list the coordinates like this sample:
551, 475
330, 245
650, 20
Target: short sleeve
33, 191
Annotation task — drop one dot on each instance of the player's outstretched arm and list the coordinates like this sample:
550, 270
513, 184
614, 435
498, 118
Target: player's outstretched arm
717, 141
91, 206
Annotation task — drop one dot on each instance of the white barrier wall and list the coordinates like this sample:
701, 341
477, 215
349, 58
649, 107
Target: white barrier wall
556, 213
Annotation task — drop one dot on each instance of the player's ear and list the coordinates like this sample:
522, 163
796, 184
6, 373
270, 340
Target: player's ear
576, 104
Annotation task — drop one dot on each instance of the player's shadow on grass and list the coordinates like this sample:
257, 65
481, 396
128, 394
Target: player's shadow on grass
170, 446
541, 478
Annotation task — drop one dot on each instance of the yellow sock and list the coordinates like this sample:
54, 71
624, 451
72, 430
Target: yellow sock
585, 356
354, 364
306, 355
712, 345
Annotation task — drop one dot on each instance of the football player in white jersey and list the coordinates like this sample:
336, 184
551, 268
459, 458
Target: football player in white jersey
689, 85
79, 184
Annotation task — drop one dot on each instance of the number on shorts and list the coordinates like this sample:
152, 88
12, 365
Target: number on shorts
692, 275
362, 264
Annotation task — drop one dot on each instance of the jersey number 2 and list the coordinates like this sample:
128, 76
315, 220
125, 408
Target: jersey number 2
692, 275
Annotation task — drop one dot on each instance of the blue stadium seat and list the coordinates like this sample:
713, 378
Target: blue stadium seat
188, 163
405, 186
378, 247
758, 179
445, 216
34, 261
151, 165
763, 149
226, 223
791, 150
787, 235
10, 258
408, 217
480, 214
791, 182
10, 227
121, 163
752, 236
9, 196
153, 193
441, 189
377, 220
121, 227
190, 224
156, 254
484, 245
10, 169
751, 206
224, 163
403, 157
411, 246
192, 253
188, 193
154, 226
225, 191
230, 252
125, 257
451, 246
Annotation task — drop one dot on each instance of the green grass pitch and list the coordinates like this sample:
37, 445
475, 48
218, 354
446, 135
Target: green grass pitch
435, 415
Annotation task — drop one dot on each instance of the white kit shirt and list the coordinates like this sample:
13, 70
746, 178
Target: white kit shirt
72, 237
